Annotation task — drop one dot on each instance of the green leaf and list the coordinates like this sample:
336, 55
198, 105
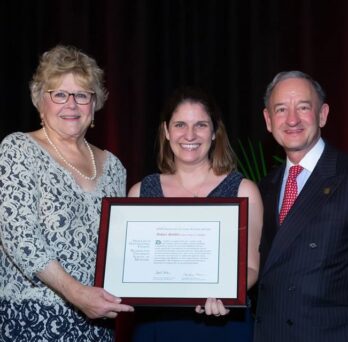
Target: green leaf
251, 160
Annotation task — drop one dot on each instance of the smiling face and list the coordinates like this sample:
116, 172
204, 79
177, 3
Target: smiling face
190, 133
294, 116
69, 119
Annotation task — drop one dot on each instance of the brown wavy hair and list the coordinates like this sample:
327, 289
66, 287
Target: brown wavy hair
221, 155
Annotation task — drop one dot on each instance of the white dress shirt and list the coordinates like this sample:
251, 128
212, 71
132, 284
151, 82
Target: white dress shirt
308, 162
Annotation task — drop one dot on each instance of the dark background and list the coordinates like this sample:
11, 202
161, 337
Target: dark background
232, 48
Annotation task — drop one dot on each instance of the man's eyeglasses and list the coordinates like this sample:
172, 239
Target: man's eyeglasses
62, 96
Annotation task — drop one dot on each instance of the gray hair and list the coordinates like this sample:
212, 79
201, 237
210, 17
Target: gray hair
284, 75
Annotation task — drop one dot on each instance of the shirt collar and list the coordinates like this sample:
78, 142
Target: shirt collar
311, 158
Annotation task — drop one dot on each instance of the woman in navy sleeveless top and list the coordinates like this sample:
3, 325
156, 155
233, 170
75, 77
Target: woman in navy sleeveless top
196, 160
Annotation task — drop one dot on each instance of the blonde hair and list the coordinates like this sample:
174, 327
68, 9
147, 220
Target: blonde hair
62, 60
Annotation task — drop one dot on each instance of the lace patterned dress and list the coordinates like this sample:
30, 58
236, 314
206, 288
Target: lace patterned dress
45, 216
183, 324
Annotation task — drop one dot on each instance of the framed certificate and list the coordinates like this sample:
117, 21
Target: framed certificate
173, 251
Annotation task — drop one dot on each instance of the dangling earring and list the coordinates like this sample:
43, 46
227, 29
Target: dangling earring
92, 122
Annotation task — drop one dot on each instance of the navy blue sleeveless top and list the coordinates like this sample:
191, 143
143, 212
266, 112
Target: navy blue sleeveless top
151, 186
157, 324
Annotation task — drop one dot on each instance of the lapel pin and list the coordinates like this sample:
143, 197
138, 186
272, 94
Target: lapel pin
326, 191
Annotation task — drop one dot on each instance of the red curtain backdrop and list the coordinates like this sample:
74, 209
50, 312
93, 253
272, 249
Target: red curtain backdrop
232, 48
148, 48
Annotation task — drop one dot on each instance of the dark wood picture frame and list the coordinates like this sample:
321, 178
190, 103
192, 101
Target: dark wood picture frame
136, 208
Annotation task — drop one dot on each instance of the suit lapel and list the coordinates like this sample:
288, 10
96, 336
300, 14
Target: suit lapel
319, 187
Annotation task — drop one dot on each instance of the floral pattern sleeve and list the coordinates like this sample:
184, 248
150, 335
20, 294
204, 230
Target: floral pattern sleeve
20, 229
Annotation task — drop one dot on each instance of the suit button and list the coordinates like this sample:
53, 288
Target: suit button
289, 322
292, 288
258, 319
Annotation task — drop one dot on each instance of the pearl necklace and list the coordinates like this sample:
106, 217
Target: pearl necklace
94, 175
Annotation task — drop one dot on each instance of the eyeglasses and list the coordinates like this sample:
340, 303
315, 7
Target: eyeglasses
62, 96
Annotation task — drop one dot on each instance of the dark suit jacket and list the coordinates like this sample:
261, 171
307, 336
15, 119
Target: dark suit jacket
303, 283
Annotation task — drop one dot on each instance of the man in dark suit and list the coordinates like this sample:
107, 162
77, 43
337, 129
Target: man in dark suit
303, 279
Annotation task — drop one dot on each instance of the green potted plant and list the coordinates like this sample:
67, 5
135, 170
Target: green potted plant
252, 162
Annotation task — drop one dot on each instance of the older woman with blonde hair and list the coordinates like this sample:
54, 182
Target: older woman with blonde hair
52, 181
